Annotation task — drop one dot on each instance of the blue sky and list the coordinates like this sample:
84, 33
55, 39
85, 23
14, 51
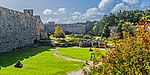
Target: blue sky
69, 11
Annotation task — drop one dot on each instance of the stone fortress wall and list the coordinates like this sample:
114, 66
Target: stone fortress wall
18, 29
72, 28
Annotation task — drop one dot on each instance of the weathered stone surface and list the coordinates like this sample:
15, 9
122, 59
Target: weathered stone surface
18, 29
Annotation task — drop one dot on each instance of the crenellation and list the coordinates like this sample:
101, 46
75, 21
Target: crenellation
72, 28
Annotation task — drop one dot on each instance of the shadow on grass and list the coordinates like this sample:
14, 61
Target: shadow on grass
9, 58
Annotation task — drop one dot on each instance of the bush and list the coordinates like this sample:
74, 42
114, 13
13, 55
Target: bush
85, 43
131, 56
87, 37
147, 17
61, 35
74, 40
78, 36
71, 35
73, 44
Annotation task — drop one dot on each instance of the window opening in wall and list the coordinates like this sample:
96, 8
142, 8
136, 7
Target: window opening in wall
28, 12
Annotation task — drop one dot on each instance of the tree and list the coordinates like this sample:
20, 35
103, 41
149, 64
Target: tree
106, 31
59, 32
131, 56
119, 29
128, 27
97, 29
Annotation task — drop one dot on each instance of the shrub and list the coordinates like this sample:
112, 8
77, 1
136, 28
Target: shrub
131, 56
75, 40
147, 17
67, 33
72, 35
87, 37
85, 43
73, 44
78, 36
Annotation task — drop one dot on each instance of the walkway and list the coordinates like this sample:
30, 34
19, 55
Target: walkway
66, 58
80, 71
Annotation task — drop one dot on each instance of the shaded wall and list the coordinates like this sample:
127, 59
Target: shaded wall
17, 29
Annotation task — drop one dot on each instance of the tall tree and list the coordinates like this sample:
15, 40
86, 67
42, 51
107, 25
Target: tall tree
106, 31
119, 29
97, 29
59, 32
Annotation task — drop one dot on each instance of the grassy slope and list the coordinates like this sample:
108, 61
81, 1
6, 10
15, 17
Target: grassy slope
77, 53
43, 63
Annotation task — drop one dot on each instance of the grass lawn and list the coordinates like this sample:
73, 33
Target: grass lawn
77, 53
36, 61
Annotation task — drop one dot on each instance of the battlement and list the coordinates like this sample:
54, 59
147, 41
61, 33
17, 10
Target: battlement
28, 11
72, 28
37, 16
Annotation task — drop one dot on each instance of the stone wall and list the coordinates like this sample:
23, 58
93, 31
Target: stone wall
72, 28
17, 29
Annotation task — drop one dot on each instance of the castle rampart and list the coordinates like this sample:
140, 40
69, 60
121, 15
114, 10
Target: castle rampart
72, 28
17, 29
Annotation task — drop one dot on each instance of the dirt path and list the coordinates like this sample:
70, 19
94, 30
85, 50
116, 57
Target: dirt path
80, 71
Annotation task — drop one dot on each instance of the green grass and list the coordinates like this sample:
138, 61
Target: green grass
36, 61
78, 53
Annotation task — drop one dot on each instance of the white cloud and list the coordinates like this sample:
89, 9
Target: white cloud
76, 13
68, 21
53, 20
92, 13
120, 6
61, 10
56, 13
104, 3
47, 12
130, 1
76, 17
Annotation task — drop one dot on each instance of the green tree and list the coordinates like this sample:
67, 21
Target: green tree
119, 29
97, 29
130, 56
128, 27
106, 31
59, 32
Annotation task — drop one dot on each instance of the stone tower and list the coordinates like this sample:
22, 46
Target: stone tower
28, 11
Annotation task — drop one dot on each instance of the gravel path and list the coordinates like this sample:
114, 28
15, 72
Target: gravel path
80, 71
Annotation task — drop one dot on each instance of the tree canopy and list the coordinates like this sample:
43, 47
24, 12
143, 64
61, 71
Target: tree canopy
59, 32
117, 19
